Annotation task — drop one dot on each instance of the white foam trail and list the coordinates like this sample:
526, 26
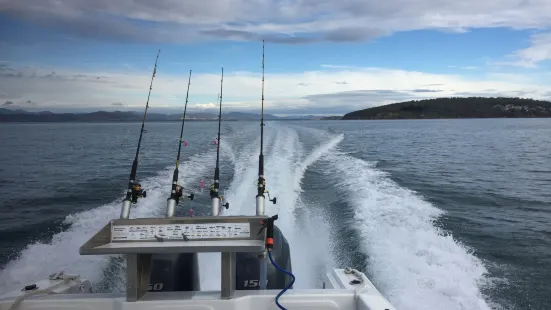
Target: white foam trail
318, 135
38, 260
227, 150
302, 227
242, 190
315, 155
413, 262
240, 194
284, 169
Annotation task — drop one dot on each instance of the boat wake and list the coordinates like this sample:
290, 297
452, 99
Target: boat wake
285, 166
412, 262
39, 260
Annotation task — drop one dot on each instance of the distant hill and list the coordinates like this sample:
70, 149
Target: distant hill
8, 115
335, 118
246, 116
301, 117
471, 107
46, 116
8, 111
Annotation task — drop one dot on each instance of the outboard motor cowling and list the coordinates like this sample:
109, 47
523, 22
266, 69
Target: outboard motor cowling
180, 272
247, 267
174, 272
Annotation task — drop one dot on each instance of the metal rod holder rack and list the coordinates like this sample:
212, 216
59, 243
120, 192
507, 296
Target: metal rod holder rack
138, 239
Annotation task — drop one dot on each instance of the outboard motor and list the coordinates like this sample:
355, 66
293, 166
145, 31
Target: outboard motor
247, 269
174, 272
180, 272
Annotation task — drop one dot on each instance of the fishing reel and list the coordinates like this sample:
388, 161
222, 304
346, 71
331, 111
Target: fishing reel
262, 189
180, 193
137, 192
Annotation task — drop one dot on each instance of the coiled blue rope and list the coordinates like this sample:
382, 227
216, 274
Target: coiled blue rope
287, 287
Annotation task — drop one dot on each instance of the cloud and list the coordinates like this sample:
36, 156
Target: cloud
357, 98
361, 99
423, 90
278, 21
206, 106
117, 104
539, 50
338, 67
480, 94
20, 104
284, 92
464, 67
240, 35
10, 73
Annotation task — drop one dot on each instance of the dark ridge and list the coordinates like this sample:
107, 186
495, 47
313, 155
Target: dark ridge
457, 107
8, 115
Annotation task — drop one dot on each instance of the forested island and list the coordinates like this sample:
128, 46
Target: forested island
457, 107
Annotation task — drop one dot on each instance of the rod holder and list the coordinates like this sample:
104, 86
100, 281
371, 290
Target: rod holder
170, 207
215, 206
125, 211
119, 237
260, 205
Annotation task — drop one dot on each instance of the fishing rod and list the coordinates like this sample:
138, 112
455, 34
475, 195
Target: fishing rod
214, 194
260, 199
135, 190
261, 180
177, 190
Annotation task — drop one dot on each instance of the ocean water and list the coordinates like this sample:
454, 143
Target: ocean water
440, 214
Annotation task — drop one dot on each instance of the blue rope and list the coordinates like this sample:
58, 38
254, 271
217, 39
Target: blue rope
287, 287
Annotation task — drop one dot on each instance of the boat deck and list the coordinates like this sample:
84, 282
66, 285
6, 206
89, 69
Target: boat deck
342, 292
327, 299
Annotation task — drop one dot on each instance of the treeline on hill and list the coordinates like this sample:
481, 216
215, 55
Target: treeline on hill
457, 107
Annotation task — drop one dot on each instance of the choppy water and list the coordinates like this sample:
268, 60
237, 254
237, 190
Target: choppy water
441, 214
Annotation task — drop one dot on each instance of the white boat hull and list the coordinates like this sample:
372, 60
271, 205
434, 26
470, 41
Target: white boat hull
339, 293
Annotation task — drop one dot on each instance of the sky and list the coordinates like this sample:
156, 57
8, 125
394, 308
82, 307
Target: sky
321, 57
